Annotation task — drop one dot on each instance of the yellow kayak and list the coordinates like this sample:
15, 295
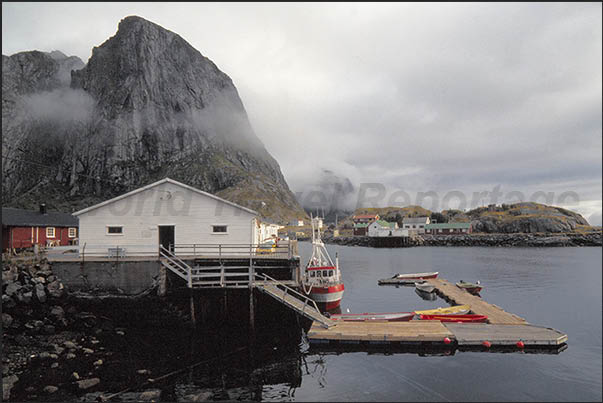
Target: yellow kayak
458, 310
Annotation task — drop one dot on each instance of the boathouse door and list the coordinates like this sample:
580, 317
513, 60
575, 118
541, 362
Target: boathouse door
166, 236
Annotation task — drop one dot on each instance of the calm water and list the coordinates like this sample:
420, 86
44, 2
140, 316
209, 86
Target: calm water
553, 287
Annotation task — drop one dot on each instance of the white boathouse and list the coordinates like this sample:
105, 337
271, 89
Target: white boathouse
166, 212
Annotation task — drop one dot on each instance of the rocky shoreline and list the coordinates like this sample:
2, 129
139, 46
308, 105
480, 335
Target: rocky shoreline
57, 347
496, 240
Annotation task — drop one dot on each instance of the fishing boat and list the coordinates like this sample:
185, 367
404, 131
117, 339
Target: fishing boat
409, 278
322, 279
425, 287
386, 317
457, 309
456, 318
473, 288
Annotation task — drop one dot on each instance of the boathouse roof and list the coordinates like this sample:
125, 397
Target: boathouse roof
152, 185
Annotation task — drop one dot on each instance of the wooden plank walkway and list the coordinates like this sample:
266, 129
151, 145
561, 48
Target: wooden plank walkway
468, 334
295, 303
413, 331
495, 314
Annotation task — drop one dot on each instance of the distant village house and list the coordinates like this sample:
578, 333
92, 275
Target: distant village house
381, 228
25, 228
415, 224
362, 221
448, 228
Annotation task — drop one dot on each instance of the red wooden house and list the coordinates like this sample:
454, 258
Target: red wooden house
25, 228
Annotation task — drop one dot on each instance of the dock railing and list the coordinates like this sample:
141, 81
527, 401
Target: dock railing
288, 290
283, 250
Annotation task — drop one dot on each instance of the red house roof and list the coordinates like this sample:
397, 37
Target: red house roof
362, 216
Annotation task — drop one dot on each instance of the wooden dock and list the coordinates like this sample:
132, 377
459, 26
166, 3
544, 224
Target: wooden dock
504, 329
496, 315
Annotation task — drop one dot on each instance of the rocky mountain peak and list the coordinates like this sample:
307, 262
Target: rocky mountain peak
146, 105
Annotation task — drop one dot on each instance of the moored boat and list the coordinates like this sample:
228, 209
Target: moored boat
322, 279
457, 309
467, 318
427, 296
425, 287
387, 317
473, 288
408, 278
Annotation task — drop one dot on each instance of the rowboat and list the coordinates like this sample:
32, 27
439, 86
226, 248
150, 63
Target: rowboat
386, 317
425, 287
456, 318
457, 309
473, 288
409, 278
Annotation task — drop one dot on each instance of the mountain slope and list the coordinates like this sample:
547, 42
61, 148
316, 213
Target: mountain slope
149, 105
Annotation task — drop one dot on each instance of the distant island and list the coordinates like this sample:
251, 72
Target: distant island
517, 224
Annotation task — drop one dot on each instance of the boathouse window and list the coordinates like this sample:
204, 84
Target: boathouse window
324, 273
219, 229
312, 274
71, 233
49, 232
115, 230
330, 273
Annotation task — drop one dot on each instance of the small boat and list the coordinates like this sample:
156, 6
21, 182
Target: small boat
420, 276
457, 309
425, 287
409, 278
427, 296
456, 318
473, 288
386, 317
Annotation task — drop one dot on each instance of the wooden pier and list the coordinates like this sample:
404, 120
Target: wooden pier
504, 329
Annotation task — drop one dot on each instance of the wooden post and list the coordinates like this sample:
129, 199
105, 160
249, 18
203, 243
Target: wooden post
192, 297
251, 307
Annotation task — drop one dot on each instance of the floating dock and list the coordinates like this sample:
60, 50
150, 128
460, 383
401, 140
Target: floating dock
504, 329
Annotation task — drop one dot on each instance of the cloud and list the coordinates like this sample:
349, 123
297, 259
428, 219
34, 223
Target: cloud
419, 97
62, 105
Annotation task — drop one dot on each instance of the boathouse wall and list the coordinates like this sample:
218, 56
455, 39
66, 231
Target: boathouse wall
194, 215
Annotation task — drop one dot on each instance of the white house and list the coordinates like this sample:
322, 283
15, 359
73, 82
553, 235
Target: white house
268, 230
382, 228
166, 212
415, 224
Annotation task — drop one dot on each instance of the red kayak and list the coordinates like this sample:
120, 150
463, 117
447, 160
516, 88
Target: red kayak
468, 318
387, 317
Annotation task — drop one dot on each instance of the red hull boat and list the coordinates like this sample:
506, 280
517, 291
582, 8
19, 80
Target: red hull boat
322, 279
387, 317
468, 318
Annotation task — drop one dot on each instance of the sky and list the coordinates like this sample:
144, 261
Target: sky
439, 104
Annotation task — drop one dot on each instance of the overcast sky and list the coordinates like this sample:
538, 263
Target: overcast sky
456, 99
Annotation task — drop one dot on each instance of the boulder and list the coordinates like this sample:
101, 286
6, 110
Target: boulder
149, 395
40, 294
57, 313
7, 384
56, 289
87, 383
12, 288
7, 320
50, 389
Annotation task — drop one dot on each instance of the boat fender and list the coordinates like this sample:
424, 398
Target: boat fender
520, 344
447, 340
486, 344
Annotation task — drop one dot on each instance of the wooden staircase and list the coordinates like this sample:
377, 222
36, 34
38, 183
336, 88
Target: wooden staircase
300, 303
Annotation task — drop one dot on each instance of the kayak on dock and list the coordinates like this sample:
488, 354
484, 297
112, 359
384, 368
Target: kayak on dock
386, 317
456, 318
458, 310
